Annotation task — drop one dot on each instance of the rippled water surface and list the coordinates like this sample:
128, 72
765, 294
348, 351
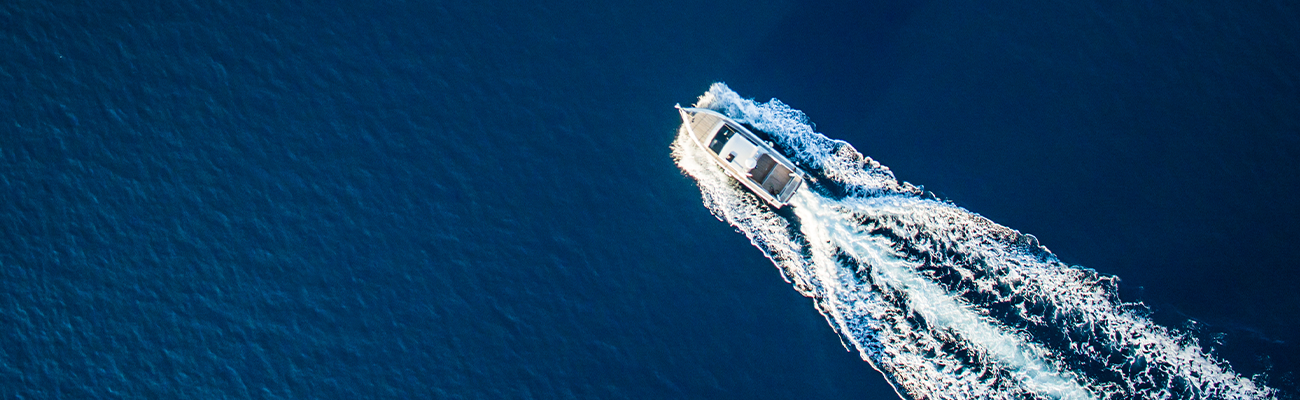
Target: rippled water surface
274, 199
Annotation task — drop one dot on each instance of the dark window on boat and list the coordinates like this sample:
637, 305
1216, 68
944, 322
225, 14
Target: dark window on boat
719, 140
731, 156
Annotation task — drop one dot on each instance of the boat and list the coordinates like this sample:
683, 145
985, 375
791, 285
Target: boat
743, 155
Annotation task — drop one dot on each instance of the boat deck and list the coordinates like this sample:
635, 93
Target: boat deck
703, 125
744, 156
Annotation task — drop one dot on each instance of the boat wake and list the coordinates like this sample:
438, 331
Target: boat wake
943, 302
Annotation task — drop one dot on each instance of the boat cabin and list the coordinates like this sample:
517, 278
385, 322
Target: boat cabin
744, 156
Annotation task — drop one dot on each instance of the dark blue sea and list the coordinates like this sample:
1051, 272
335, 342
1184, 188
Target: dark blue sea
479, 200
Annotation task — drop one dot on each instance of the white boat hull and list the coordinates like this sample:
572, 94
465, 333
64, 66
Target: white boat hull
739, 152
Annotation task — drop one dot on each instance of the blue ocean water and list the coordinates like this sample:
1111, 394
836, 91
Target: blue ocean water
942, 301
456, 200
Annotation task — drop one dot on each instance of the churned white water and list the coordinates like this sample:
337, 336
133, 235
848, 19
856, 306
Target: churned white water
943, 302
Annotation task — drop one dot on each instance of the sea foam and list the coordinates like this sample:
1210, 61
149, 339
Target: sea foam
943, 302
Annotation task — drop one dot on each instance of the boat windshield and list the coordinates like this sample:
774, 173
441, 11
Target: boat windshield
724, 135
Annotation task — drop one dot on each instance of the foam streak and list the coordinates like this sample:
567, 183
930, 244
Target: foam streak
943, 302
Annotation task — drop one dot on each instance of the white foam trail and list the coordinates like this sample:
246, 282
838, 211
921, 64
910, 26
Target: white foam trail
825, 224
943, 302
